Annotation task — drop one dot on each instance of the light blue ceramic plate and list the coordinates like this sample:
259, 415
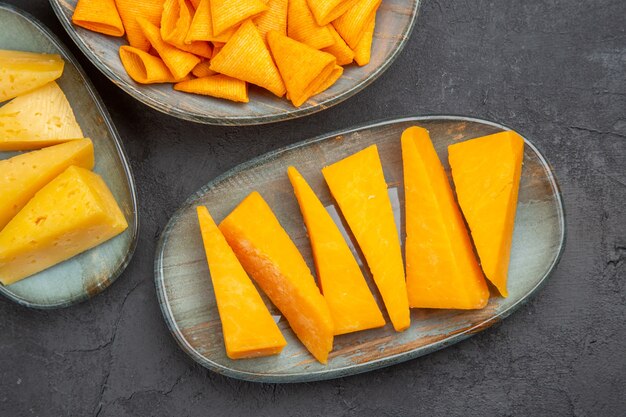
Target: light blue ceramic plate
184, 284
91, 272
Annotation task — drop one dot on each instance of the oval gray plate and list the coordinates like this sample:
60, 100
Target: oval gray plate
184, 285
87, 274
394, 23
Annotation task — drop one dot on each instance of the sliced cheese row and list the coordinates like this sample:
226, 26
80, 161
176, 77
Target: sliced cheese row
442, 270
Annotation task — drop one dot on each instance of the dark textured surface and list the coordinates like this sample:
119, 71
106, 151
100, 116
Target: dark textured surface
554, 70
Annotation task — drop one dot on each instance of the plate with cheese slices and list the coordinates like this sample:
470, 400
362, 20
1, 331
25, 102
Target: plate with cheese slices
68, 215
359, 249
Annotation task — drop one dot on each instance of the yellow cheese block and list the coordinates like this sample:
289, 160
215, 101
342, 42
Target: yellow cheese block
248, 327
271, 258
73, 213
358, 184
486, 173
42, 117
351, 303
21, 72
23, 175
441, 269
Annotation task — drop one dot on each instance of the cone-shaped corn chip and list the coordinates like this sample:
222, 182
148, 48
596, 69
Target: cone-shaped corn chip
301, 26
201, 48
203, 69
351, 25
130, 10
175, 21
363, 49
330, 80
325, 11
195, 3
246, 57
228, 13
304, 69
219, 85
143, 67
98, 16
201, 28
217, 46
275, 18
180, 63
339, 49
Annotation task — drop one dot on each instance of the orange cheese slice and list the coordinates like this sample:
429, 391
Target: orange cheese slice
130, 11
221, 86
248, 327
23, 175
73, 213
246, 57
271, 258
486, 173
351, 25
325, 11
98, 16
303, 69
358, 185
349, 299
442, 271
301, 26
226, 14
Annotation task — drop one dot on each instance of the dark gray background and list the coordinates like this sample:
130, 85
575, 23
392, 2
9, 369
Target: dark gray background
554, 70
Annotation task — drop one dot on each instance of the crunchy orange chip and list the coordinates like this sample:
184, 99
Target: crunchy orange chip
175, 21
217, 47
330, 80
304, 69
195, 3
143, 67
201, 28
325, 11
301, 26
363, 50
275, 18
180, 63
203, 69
219, 85
98, 16
246, 57
339, 49
228, 13
351, 25
130, 10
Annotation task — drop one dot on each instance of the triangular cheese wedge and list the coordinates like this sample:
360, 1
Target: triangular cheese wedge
21, 72
23, 175
363, 50
221, 86
358, 185
301, 26
349, 299
442, 271
40, 118
229, 13
201, 28
180, 63
248, 327
274, 18
325, 11
73, 213
340, 48
486, 173
351, 25
143, 67
271, 258
130, 11
99, 16
302, 68
246, 57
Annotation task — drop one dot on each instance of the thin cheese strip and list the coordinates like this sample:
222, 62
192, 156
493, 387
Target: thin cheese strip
363, 50
130, 11
351, 25
180, 63
275, 18
221, 86
301, 26
229, 13
99, 16
203, 69
325, 11
303, 69
339, 49
143, 67
246, 57
201, 28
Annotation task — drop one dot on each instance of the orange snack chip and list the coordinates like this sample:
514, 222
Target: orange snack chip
363, 50
351, 25
325, 11
143, 67
301, 26
130, 11
340, 48
99, 16
219, 85
229, 13
275, 18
